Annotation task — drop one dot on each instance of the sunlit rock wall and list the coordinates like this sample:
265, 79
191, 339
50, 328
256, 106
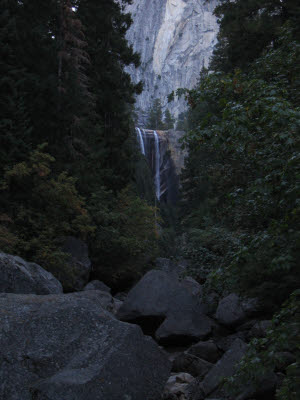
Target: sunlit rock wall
175, 39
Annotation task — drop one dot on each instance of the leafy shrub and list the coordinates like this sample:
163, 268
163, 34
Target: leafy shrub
40, 208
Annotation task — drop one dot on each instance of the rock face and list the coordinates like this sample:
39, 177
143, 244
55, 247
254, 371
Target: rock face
224, 368
97, 285
175, 39
191, 364
233, 311
19, 276
206, 350
67, 347
177, 386
170, 162
164, 307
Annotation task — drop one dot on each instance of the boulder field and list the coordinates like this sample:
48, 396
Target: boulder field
158, 342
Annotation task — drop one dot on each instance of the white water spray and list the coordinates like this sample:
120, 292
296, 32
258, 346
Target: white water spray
157, 165
141, 140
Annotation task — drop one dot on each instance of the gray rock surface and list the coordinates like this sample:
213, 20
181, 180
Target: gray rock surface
107, 302
193, 286
19, 276
79, 264
175, 39
67, 347
97, 285
176, 386
162, 301
233, 311
191, 364
206, 350
226, 342
224, 368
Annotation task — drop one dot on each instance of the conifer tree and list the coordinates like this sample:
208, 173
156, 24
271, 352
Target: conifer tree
169, 120
14, 123
105, 29
247, 27
75, 100
155, 116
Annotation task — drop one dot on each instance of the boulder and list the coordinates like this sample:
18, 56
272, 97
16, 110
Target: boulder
166, 309
176, 386
107, 302
208, 351
226, 342
97, 285
224, 368
193, 286
67, 347
19, 276
78, 265
191, 364
233, 311
120, 296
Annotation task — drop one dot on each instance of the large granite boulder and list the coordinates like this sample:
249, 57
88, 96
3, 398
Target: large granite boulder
67, 347
205, 350
177, 386
108, 302
166, 309
233, 311
191, 364
193, 286
19, 276
224, 368
97, 285
78, 267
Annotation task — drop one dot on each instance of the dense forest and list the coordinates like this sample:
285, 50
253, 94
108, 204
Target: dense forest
70, 162
68, 153
240, 201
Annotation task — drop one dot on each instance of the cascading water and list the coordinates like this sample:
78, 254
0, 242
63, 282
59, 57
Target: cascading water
152, 154
141, 140
157, 165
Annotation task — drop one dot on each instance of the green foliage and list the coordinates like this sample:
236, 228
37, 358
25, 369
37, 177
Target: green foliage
155, 120
15, 128
267, 354
63, 82
168, 120
125, 235
243, 171
182, 122
42, 207
248, 27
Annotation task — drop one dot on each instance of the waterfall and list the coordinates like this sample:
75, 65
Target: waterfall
141, 140
157, 165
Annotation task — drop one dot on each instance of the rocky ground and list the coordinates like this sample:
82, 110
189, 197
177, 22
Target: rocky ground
162, 340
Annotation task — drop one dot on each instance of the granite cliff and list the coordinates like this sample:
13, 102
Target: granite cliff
175, 38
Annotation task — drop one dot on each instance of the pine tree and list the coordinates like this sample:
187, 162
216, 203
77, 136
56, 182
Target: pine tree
169, 120
155, 116
248, 27
14, 124
112, 154
75, 101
